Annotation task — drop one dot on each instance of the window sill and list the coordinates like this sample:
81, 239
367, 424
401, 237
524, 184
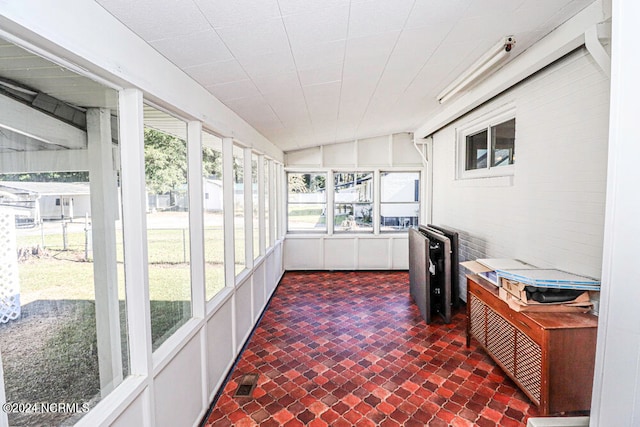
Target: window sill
485, 181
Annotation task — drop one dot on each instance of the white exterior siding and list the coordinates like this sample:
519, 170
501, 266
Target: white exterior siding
550, 213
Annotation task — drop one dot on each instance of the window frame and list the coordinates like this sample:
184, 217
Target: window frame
479, 125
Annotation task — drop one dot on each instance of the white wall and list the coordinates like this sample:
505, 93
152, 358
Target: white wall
354, 251
616, 390
550, 213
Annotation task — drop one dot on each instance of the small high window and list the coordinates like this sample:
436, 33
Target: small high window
487, 147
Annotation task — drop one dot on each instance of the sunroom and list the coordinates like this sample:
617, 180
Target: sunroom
171, 172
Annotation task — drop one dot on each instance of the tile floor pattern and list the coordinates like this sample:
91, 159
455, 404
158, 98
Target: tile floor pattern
350, 349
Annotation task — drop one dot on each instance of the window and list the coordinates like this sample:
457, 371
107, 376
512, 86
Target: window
267, 180
353, 202
487, 147
256, 208
307, 201
63, 323
238, 208
399, 200
165, 154
213, 214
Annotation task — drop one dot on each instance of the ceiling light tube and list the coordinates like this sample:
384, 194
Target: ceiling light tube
479, 69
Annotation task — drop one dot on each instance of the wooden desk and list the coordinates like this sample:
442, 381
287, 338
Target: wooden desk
550, 356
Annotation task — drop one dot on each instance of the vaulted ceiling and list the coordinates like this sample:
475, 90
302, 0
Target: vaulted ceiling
312, 72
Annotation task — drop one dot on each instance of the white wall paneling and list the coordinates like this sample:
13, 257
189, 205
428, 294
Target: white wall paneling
342, 154
340, 253
304, 253
400, 253
243, 311
220, 349
133, 415
176, 386
374, 253
345, 252
369, 151
259, 291
309, 157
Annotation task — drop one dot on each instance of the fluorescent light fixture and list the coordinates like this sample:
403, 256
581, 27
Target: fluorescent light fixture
479, 69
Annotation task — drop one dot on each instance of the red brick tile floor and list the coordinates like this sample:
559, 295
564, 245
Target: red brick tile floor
350, 349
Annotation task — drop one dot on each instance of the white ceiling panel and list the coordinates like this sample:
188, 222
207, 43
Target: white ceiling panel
234, 90
261, 37
290, 7
193, 49
488, 7
217, 72
257, 111
436, 12
320, 26
320, 54
268, 63
325, 74
156, 20
281, 83
323, 98
322, 71
225, 13
374, 17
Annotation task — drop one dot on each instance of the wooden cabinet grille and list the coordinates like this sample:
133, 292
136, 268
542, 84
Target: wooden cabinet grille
478, 314
500, 339
528, 365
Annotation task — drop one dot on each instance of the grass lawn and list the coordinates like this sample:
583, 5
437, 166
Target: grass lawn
50, 352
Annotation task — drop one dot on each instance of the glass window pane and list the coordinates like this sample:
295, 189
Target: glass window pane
476, 151
399, 200
267, 180
256, 208
213, 214
353, 195
63, 327
306, 201
238, 208
165, 149
503, 137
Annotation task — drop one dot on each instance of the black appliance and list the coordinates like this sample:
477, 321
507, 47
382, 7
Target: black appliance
430, 272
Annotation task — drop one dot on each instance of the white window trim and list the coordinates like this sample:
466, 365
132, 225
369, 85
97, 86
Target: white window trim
485, 122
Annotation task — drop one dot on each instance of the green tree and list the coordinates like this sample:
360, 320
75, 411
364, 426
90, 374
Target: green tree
211, 162
165, 158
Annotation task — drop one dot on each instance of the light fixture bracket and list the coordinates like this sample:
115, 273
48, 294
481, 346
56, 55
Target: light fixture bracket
479, 69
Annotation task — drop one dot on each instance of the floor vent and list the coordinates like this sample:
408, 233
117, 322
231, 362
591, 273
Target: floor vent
247, 384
